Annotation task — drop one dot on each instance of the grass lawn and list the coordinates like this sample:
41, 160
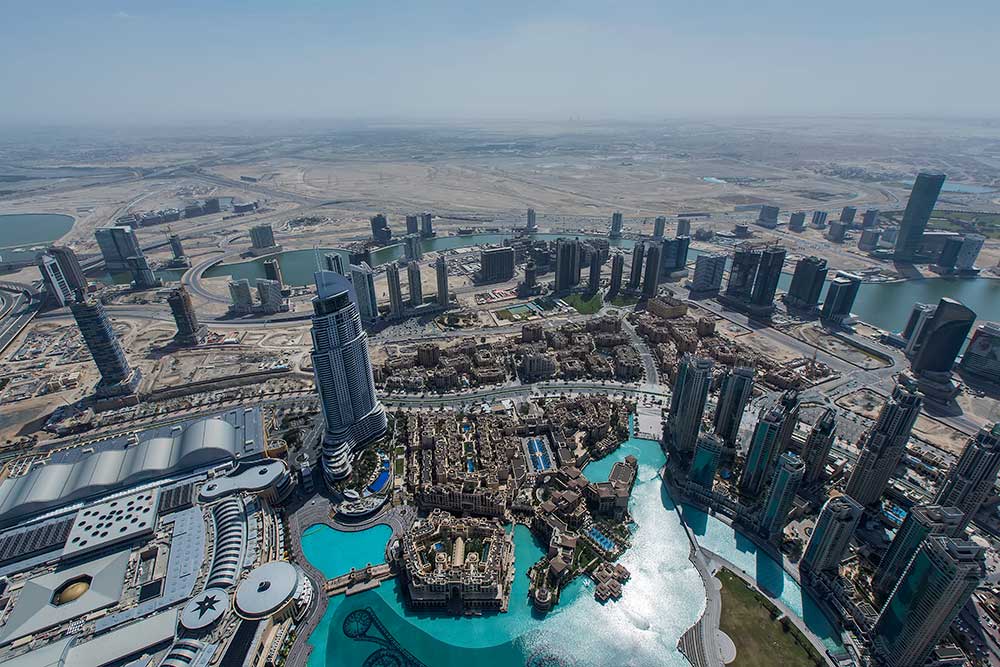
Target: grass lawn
748, 617
583, 305
624, 301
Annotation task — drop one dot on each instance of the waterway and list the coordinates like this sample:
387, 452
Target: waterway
664, 597
19, 232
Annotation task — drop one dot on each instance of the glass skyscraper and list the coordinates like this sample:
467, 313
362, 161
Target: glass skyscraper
918, 211
921, 522
831, 536
687, 402
972, 478
781, 496
343, 371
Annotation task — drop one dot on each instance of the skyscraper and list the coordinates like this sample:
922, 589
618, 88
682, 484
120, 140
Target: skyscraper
708, 273
705, 462
117, 376
57, 286
819, 219
970, 481
687, 402
765, 447
262, 237
870, 218
840, 298
567, 265
651, 282
594, 274
659, 227
189, 332
617, 270
117, 244
737, 388
982, 357
943, 337
742, 274
797, 221
70, 266
412, 225
918, 211
241, 295
413, 280
816, 449
363, 281
635, 272
921, 522
837, 232
935, 586
395, 291
768, 216
334, 262
781, 496
441, 275
914, 330
177, 248
532, 225
426, 225
343, 371
496, 264
271, 299
616, 225
807, 283
869, 240
683, 227
847, 215
674, 256
884, 444
142, 275
831, 536
969, 252
411, 247
272, 271
772, 259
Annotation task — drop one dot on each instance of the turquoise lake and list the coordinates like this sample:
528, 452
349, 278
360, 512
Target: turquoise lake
20, 231
664, 597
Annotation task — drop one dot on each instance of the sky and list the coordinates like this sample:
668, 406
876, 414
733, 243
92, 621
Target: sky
99, 62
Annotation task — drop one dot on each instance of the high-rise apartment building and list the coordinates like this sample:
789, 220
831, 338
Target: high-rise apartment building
395, 291
262, 237
412, 225
832, 535
441, 278
819, 219
343, 371
840, 298
241, 296
380, 229
674, 256
683, 227
532, 225
189, 332
737, 388
616, 225
764, 449
427, 225
70, 267
884, 444
781, 495
57, 288
943, 336
617, 270
807, 283
142, 275
797, 221
496, 265
687, 403
272, 271
921, 522
117, 376
705, 461
567, 265
635, 271
413, 280
982, 356
270, 296
971, 480
651, 281
818, 444
659, 227
709, 270
117, 244
363, 281
847, 215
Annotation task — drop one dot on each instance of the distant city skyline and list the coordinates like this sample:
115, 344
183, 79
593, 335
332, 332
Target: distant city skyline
106, 62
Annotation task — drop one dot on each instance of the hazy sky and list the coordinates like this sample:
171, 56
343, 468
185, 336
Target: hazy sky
72, 61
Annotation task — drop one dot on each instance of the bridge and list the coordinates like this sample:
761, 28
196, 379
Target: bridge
359, 581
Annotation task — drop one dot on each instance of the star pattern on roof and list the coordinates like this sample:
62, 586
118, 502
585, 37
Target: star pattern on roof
206, 604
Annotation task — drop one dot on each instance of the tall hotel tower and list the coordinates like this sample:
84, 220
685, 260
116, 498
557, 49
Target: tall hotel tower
343, 371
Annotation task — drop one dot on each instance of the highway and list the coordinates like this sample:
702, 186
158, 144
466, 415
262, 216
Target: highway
23, 304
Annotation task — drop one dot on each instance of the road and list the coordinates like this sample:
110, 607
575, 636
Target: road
24, 302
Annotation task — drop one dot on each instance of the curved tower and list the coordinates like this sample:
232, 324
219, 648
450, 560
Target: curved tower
343, 371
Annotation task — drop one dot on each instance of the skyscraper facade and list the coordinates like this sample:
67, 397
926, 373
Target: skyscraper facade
241, 296
635, 271
567, 265
918, 211
674, 256
746, 259
343, 371
363, 280
772, 260
870, 218
142, 275
683, 227
651, 281
395, 291
705, 461
659, 227
797, 221
426, 225
708, 273
117, 244
943, 337
262, 237
982, 356
189, 332
970, 481
380, 229
413, 280
117, 376
272, 271
840, 298
412, 224
819, 219
594, 274
532, 225
496, 264
270, 296
921, 522
816, 449
847, 215
938, 582
411, 247
617, 270
972, 244
737, 388
884, 444
687, 402
807, 283
781, 496
70, 267
441, 278
616, 225
57, 288
831, 536
765, 447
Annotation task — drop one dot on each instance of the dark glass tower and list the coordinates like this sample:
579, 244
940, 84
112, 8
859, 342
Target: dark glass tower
807, 283
971, 479
742, 274
816, 449
943, 337
772, 259
921, 522
736, 391
117, 376
840, 298
651, 281
687, 402
918, 211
